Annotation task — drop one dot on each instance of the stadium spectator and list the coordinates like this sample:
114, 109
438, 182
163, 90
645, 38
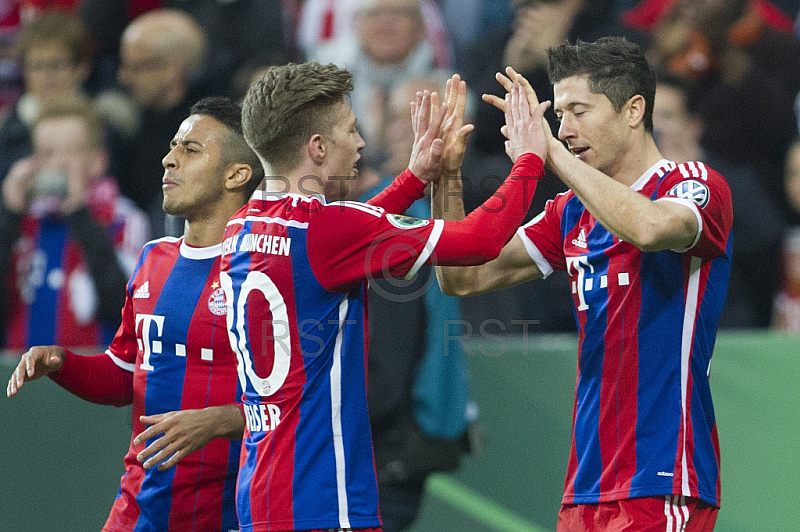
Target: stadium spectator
54, 55
236, 31
757, 223
417, 389
745, 77
162, 52
298, 316
329, 29
171, 357
646, 243
390, 46
68, 240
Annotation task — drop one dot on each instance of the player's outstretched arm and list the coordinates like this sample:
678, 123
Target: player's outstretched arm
513, 264
497, 219
38, 362
180, 433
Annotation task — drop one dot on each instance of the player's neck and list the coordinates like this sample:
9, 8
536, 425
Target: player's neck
637, 161
305, 184
207, 230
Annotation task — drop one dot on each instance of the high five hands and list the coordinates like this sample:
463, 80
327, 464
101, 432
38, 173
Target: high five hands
440, 135
530, 97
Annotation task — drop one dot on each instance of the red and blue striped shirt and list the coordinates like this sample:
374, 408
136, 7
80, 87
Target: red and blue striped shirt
643, 420
174, 341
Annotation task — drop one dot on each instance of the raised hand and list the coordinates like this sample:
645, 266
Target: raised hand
524, 129
18, 184
507, 83
35, 364
426, 119
454, 133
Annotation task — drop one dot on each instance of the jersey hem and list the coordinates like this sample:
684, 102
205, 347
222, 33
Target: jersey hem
634, 494
282, 526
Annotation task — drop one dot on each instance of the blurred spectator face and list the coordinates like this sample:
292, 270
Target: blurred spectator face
389, 30
792, 176
145, 72
50, 72
65, 144
676, 132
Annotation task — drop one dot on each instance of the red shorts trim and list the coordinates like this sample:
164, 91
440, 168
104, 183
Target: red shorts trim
670, 513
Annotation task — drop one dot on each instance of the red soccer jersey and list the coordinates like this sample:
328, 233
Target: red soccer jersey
643, 423
294, 271
173, 340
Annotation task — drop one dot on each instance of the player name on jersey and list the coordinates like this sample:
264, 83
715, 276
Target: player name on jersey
269, 244
263, 417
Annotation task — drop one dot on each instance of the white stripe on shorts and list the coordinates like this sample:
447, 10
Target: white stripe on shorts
677, 513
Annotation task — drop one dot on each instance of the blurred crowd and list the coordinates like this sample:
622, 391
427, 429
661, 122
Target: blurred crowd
729, 79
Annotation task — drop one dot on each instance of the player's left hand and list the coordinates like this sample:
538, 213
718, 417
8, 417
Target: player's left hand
454, 132
426, 119
182, 433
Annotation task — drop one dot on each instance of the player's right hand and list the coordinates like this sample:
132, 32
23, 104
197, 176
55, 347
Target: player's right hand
525, 128
39, 361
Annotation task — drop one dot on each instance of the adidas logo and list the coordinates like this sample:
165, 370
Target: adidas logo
581, 240
143, 292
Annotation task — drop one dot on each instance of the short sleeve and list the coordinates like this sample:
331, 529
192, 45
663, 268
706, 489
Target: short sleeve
706, 192
543, 239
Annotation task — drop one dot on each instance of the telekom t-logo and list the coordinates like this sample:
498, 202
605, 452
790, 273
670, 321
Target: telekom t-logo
143, 337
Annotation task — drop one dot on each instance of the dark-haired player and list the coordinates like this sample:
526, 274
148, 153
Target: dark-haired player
171, 357
647, 245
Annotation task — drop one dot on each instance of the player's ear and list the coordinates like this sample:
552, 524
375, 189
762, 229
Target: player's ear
317, 147
635, 110
237, 175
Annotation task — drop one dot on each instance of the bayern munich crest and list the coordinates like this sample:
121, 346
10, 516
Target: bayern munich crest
216, 302
692, 190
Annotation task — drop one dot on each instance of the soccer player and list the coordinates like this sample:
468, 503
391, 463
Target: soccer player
171, 357
646, 243
294, 271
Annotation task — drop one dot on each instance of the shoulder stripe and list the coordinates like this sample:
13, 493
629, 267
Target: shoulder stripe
262, 195
694, 169
170, 239
268, 220
533, 252
127, 366
364, 207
